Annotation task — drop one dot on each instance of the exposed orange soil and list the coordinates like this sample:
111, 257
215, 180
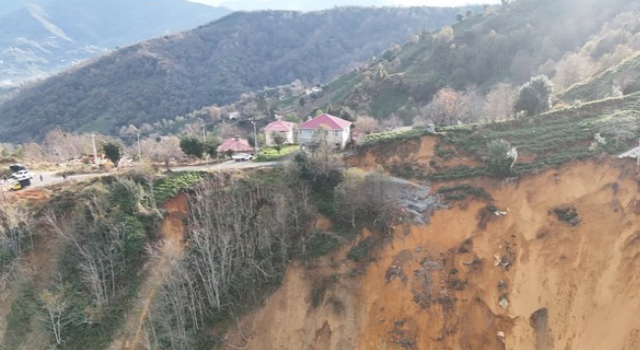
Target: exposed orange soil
586, 276
170, 248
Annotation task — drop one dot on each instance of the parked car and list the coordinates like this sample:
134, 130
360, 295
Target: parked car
22, 175
17, 167
17, 185
239, 157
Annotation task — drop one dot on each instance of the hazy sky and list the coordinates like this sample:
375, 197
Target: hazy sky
315, 4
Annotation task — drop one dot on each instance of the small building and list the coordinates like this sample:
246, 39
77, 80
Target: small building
339, 130
236, 145
279, 126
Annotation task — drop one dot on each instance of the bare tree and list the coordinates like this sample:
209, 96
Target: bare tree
499, 102
323, 157
237, 232
60, 146
162, 151
32, 152
16, 236
572, 69
473, 103
621, 125
99, 245
368, 197
446, 108
55, 304
366, 124
228, 130
392, 123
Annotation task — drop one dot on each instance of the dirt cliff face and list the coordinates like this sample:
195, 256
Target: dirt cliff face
521, 279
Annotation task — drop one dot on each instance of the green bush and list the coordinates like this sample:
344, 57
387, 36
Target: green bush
568, 214
361, 250
320, 243
126, 195
499, 161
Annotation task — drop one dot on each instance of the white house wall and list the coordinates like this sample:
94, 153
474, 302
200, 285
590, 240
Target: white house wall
335, 137
269, 137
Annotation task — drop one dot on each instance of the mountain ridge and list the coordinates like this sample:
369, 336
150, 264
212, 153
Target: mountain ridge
43, 37
213, 64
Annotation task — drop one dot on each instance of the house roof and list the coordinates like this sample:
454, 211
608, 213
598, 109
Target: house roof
329, 121
279, 125
236, 145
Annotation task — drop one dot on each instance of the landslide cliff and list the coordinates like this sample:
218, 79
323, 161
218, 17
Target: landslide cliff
511, 275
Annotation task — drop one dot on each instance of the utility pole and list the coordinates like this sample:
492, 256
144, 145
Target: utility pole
638, 155
255, 138
95, 150
139, 148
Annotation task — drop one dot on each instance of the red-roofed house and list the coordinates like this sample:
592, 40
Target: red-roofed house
286, 128
339, 130
236, 145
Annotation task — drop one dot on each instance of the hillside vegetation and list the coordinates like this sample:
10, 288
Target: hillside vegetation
213, 64
507, 45
41, 37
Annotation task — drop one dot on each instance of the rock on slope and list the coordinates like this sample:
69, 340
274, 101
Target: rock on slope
437, 287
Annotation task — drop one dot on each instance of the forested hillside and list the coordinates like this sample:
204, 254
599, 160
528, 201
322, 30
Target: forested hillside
495, 51
213, 64
41, 37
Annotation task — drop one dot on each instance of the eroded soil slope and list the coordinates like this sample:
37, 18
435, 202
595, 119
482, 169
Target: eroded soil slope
476, 280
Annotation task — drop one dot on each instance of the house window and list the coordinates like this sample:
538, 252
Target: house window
336, 133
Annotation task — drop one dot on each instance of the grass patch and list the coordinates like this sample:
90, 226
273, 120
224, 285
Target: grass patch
444, 153
406, 171
458, 172
270, 154
170, 186
392, 136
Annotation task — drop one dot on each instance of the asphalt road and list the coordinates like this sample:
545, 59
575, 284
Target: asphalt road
50, 178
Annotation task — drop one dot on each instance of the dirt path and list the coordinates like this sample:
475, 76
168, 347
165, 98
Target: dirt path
133, 336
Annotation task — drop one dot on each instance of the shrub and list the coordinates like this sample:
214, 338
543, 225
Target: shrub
126, 194
361, 250
320, 243
478, 192
113, 151
444, 152
568, 214
191, 146
535, 96
500, 157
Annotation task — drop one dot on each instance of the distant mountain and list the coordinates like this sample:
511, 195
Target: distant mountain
38, 37
213, 64
297, 5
